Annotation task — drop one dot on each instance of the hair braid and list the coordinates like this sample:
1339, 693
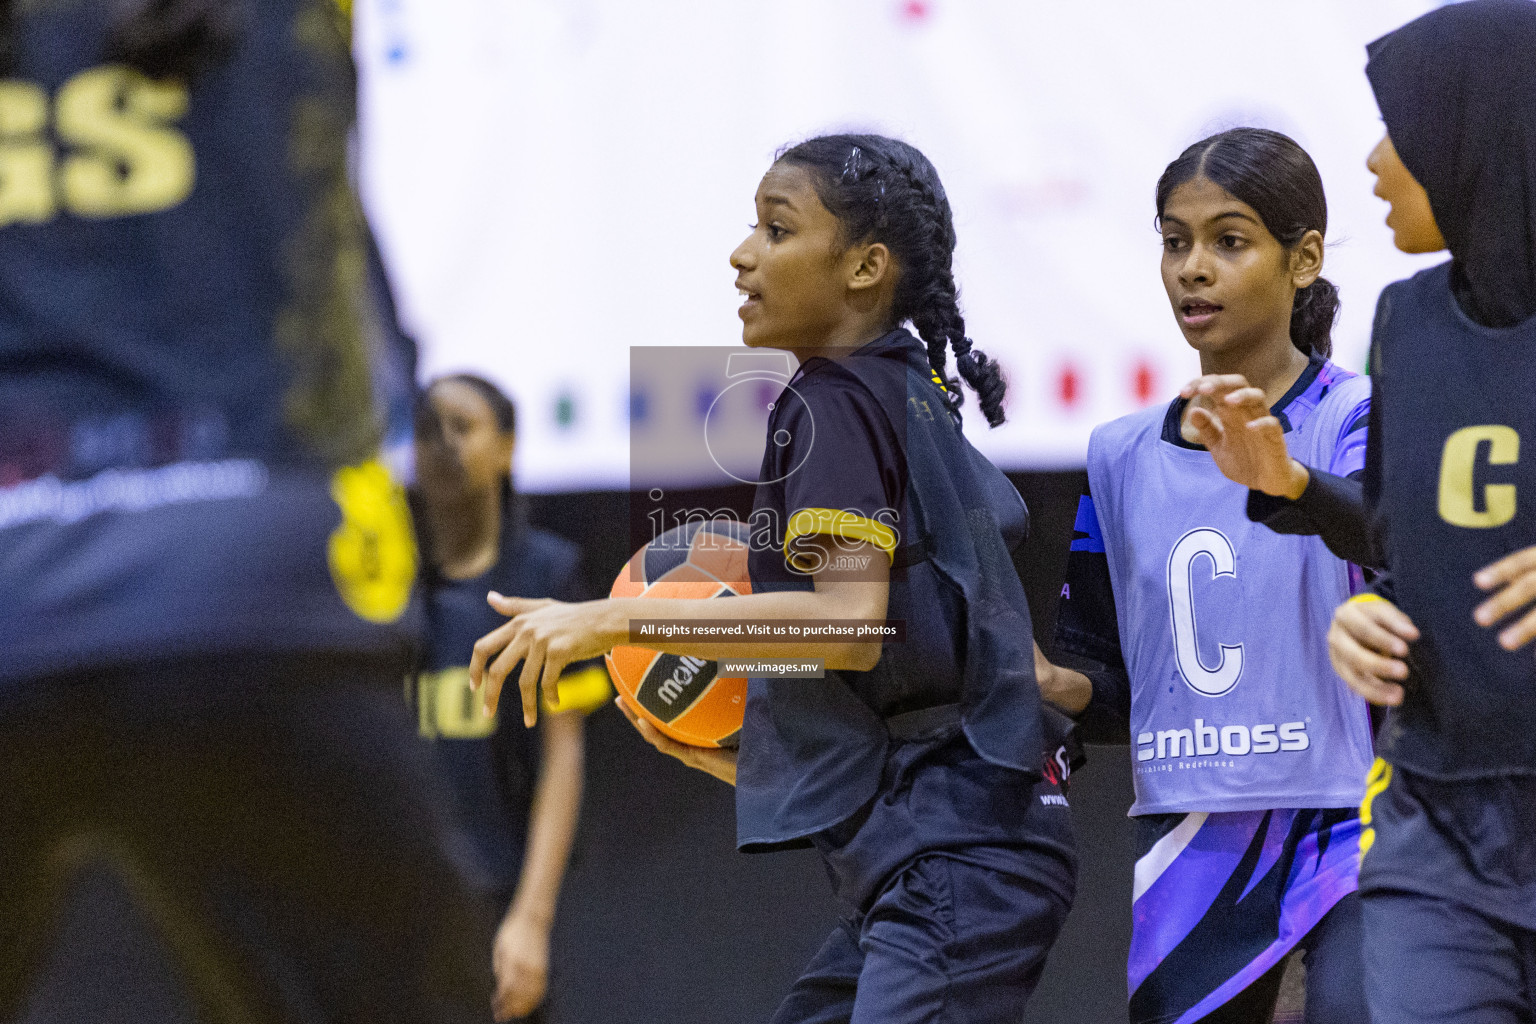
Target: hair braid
936, 313
883, 190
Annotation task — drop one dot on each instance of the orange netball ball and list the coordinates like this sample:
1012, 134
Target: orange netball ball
684, 697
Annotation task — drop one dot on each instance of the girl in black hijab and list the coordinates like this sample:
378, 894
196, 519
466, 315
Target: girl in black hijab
1448, 868
1457, 91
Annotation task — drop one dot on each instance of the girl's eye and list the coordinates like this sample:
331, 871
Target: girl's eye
1231, 241
775, 232
1172, 244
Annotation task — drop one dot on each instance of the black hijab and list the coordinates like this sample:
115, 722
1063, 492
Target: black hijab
1457, 90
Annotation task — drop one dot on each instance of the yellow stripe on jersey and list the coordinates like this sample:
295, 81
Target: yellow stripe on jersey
584, 690
839, 524
448, 707
1376, 782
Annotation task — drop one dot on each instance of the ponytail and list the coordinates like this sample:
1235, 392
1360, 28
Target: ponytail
1312, 317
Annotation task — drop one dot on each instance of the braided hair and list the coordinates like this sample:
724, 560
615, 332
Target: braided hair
883, 190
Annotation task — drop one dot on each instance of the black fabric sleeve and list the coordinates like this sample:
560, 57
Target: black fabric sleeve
1331, 507
1087, 637
1342, 511
849, 469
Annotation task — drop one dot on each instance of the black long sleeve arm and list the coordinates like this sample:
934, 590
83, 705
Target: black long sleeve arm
1087, 637
1340, 510
1332, 507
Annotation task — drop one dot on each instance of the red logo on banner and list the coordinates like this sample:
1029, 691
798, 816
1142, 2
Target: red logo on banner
1068, 385
1144, 382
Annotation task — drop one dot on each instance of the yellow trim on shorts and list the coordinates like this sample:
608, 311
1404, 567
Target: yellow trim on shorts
1376, 782
584, 690
841, 525
1365, 598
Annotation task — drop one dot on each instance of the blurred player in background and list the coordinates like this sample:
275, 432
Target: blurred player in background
206, 579
1448, 872
519, 792
1205, 631
914, 768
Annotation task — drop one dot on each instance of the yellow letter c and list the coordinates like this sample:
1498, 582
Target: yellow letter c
1457, 465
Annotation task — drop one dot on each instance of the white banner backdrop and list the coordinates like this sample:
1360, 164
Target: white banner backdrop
554, 181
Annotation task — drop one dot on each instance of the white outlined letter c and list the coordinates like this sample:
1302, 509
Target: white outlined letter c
1218, 679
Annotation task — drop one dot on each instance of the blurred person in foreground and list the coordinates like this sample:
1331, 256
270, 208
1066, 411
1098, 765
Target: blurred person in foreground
205, 576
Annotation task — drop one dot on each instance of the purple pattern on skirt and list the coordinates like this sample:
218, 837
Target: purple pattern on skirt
1186, 889
1274, 847
1181, 896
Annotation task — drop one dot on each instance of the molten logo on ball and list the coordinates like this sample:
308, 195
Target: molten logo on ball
685, 697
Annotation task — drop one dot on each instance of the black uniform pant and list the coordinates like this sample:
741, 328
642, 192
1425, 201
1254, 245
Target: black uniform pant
949, 942
1335, 993
273, 816
1448, 885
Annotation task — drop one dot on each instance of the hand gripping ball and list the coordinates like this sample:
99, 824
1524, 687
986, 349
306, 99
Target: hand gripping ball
682, 696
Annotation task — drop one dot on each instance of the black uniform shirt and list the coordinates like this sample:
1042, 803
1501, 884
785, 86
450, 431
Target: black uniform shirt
190, 312
1457, 490
490, 766
814, 753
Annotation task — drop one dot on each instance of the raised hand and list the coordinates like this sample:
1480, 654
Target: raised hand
1231, 419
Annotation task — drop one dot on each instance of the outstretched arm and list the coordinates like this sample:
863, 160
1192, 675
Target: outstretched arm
1247, 443
545, 636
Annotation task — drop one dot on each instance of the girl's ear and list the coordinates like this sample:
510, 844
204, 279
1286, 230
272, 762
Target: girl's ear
869, 266
1307, 259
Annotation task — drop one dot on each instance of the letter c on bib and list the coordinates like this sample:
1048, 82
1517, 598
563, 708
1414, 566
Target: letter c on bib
1458, 463
1218, 679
